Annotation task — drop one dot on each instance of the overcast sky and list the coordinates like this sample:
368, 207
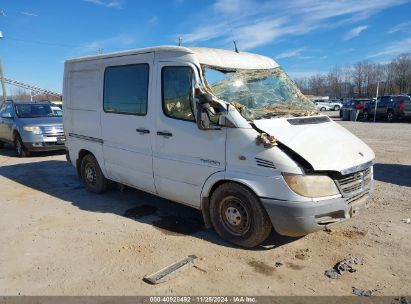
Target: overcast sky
305, 37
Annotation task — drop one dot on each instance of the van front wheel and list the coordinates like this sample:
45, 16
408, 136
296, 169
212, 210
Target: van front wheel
92, 175
238, 216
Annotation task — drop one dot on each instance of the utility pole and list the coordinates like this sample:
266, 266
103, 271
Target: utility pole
3, 85
376, 99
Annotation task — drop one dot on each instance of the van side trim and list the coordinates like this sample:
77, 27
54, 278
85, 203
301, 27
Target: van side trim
89, 138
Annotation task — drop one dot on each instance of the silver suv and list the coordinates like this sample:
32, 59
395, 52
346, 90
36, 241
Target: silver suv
31, 126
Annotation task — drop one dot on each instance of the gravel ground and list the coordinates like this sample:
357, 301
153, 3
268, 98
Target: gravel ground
58, 239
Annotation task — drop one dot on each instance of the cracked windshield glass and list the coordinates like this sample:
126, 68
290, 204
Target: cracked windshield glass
259, 94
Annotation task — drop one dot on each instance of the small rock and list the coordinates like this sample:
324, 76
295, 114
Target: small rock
279, 264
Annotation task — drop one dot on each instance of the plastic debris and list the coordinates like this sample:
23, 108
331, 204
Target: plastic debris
267, 140
343, 266
407, 220
363, 293
166, 273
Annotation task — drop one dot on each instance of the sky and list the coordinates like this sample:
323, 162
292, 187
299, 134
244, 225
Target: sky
306, 37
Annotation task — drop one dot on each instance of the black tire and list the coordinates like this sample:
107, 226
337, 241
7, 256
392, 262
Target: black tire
391, 116
322, 109
365, 115
92, 175
1, 145
238, 216
19, 147
336, 108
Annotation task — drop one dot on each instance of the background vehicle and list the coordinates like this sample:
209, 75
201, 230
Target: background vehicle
335, 104
31, 126
322, 106
357, 104
391, 107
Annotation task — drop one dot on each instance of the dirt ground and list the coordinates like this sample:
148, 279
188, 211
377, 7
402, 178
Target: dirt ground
58, 239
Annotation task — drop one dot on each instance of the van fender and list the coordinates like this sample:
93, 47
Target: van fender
220, 178
75, 147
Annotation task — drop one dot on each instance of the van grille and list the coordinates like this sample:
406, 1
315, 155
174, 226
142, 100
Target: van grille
52, 131
356, 183
265, 163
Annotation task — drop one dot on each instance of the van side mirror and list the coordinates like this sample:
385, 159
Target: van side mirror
204, 112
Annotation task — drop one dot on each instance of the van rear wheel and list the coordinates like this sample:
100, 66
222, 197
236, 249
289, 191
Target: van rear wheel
92, 175
238, 216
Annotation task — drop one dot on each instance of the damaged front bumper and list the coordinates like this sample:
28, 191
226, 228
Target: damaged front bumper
301, 218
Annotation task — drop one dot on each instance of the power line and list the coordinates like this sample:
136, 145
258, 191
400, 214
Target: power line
49, 43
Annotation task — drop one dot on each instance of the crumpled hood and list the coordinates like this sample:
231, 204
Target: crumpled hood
325, 145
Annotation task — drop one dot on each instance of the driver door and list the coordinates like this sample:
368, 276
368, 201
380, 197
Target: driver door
183, 156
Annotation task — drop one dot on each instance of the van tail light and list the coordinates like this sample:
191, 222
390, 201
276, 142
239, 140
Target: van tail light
402, 106
359, 106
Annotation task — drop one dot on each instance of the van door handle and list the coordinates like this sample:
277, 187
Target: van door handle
143, 131
164, 133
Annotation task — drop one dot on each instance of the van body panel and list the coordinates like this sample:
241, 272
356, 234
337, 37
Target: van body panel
326, 146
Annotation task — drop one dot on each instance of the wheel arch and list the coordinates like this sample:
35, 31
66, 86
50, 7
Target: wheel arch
212, 183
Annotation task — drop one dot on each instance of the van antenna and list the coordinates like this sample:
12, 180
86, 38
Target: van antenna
180, 41
235, 47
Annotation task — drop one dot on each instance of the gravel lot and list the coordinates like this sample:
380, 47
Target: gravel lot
58, 239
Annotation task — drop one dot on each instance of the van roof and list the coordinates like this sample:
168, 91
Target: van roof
212, 57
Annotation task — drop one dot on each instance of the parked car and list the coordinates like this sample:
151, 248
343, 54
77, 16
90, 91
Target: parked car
31, 126
220, 131
322, 106
335, 104
357, 104
391, 107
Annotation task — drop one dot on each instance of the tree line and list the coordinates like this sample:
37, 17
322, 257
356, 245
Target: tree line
360, 80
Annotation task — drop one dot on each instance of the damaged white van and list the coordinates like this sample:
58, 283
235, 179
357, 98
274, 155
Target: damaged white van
224, 132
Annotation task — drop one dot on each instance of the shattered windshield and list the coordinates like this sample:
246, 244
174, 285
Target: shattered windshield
259, 93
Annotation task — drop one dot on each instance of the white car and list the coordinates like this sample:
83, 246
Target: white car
323, 106
224, 132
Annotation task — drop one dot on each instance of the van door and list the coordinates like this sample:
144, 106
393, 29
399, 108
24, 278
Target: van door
184, 156
126, 120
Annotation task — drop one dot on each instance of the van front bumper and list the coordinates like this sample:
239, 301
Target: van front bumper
300, 218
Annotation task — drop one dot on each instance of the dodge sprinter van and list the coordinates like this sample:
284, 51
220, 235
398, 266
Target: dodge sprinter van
224, 132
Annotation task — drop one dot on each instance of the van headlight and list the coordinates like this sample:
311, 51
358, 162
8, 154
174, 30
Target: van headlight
34, 129
311, 185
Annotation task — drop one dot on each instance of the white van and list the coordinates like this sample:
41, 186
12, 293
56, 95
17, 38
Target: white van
224, 132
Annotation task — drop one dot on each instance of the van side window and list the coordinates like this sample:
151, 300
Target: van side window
126, 89
177, 92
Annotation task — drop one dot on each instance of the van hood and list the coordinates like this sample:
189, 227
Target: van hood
320, 141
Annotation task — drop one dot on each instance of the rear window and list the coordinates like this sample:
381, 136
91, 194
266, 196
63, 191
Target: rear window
400, 98
126, 89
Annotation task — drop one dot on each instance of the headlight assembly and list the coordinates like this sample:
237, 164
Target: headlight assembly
35, 130
311, 185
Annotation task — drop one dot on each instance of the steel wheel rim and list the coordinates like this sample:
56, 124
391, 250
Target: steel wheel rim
235, 216
90, 174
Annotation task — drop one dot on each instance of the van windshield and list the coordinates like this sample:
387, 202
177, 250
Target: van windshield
259, 93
